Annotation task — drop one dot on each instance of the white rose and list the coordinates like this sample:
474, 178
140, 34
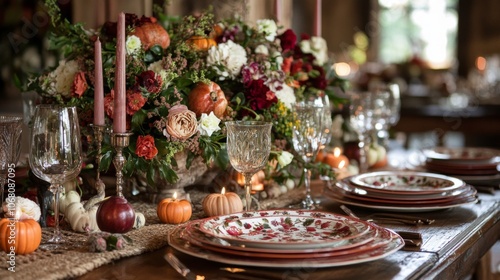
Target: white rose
286, 95
230, 56
284, 158
133, 45
316, 46
208, 124
268, 27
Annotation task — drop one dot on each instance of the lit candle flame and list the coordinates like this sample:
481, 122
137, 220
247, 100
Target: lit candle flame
336, 152
223, 191
341, 164
175, 195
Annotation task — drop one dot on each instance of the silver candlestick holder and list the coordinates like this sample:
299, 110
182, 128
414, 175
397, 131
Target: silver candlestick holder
119, 141
99, 131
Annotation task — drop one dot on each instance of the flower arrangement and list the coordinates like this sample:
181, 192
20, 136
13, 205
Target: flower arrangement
185, 78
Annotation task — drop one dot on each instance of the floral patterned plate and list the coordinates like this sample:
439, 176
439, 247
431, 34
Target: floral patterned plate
408, 182
464, 155
284, 229
193, 234
377, 238
395, 243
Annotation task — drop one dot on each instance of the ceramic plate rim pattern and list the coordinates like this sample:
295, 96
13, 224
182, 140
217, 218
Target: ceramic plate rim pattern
208, 225
443, 154
358, 241
415, 209
455, 182
183, 246
345, 185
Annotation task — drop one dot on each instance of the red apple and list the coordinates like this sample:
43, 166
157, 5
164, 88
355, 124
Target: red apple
115, 215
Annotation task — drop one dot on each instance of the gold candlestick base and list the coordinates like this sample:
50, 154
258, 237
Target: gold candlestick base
119, 141
99, 131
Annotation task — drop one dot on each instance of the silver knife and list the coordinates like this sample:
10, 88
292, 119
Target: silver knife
181, 268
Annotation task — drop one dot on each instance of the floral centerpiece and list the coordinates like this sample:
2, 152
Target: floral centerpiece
185, 78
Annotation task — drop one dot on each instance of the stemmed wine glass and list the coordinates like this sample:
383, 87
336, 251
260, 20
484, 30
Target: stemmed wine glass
248, 147
306, 138
367, 111
56, 152
10, 146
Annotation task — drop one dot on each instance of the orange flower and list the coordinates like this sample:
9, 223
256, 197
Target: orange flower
79, 85
145, 147
135, 101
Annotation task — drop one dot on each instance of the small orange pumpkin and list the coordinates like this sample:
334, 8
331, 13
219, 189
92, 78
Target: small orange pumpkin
21, 236
223, 203
152, 33
201, 43
206, 98
174, 211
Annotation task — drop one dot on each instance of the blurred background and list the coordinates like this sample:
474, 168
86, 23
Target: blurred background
443, 54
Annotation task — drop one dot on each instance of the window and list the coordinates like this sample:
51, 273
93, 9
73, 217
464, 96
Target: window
423, 28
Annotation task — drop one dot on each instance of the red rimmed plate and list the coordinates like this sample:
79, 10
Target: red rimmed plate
464, 155
177, 242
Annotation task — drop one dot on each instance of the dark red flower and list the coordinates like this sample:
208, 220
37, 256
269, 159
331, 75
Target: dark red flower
259, 95
288, 40
149, 81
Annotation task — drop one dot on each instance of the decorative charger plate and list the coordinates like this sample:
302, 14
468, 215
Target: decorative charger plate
284, 229
464, 155
395, 243
195, 236
408, 182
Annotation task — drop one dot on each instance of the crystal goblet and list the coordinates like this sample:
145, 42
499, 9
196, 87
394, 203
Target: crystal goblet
10, 146
248, 147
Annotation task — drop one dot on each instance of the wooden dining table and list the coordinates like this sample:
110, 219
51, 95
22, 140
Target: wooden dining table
452, 247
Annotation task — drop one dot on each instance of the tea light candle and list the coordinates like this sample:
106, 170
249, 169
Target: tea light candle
119, 114
335, 159
173, 210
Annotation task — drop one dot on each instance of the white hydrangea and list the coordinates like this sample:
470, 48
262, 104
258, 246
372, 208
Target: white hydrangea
133, 45
317, 47
208, 124
60, 80
286, 95
268, 27
227, 59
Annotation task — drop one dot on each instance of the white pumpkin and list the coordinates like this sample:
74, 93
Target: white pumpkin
78, 218
66, 199
140, 220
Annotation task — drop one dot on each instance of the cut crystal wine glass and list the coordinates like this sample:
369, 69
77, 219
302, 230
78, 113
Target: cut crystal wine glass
306, 138
248, 147
56, 152
10, 146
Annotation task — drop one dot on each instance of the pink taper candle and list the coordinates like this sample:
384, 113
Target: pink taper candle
317, 19
277, 10
98, 85
119, 117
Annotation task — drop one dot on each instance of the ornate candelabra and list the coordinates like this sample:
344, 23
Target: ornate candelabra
119, 141
99, 131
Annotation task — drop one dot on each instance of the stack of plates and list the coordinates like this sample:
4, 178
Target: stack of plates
285, 238
402, 191
469, 164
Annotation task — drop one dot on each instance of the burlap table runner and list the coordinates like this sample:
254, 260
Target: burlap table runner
76, 260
